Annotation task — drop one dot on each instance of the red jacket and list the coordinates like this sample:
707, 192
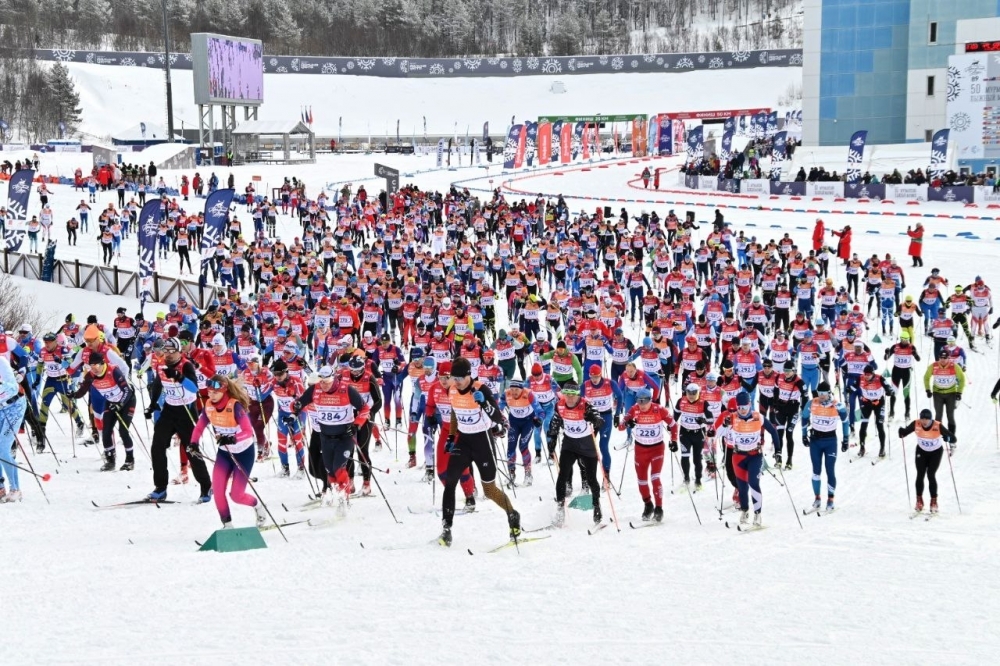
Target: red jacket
844, 247
819, 232
916, 241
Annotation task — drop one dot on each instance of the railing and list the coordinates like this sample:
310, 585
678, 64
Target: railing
108, 280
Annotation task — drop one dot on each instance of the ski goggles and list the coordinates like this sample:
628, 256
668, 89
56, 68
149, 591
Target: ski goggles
643, 401
216, 385
568, 392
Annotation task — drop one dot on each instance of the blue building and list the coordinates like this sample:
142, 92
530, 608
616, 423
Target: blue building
882, 65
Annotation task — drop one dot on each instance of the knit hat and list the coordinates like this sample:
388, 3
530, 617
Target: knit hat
536, 369
742, 399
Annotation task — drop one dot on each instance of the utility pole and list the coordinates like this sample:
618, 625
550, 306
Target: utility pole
166, 65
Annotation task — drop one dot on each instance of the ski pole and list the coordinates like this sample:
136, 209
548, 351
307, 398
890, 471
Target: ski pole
43, 477
607, 484
906, 472
250, 483
141, 441
794, 510
386, 499
951, 467
722, 492
31, 469
624, 466
370, 466
690, 494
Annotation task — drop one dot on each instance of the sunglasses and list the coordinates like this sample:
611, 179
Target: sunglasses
643, 401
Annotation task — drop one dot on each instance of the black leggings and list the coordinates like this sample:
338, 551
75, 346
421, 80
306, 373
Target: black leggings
121, 418
784, 420
182, 252
927, 463
588, 468
692, 443
175, 420
364, 440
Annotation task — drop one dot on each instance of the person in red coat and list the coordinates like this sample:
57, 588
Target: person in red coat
819, 231
916, 243
844, 246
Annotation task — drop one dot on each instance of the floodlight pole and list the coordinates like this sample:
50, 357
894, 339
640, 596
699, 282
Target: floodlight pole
166, 64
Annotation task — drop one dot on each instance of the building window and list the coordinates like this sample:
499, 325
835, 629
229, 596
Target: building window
930, 86
928, 135
932, 33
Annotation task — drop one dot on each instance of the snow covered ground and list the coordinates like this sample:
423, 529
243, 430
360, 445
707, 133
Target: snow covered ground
864, 585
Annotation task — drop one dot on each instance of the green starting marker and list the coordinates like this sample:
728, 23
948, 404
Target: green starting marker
583, 502
233, 540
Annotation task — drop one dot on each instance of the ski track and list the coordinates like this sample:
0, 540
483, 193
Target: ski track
864, 585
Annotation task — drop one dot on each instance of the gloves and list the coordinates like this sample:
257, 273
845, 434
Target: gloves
150, 411
958, 397
843, 447
449, 444
930, 394
805, 439
432, 420
617, 420
630, 423
256, 382
479, 397
224, 440
195, 451
901, 435
296, 406
289, 420
673, 447
111, 408
951, 449
537, 422
728, 421
710, 432
352, 430
498, 431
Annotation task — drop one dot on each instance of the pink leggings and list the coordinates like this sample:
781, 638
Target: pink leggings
234, 466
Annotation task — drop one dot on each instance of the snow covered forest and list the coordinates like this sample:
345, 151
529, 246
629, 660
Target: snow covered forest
416, 28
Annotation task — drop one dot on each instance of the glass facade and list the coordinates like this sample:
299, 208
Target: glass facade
864, 58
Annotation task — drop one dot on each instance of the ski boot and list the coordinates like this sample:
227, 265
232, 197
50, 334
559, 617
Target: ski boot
598, 515
538, 456
861, 450
157, 495
906, 417
284, 473
756, 519
445, 538
378, 445
399, 423
300, 474
528, 479
3, 493
15, 496
227, 525
745, 518
892, 414
514, 522
181, 478
788, 465
428, 475
881, 451
412, 462
934, 504
647, 511
470, 503
261, 513
560, 518
697, 486
920, 504
829, 503
205, 497
128, 465
817, 503
658, 514
79, 429
109, 463
777, 460
366, 489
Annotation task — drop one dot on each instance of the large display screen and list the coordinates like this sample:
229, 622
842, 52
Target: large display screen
227, 70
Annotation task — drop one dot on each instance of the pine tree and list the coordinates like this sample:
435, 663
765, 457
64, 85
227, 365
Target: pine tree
64, 100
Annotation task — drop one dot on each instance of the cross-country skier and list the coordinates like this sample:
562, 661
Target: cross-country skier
746, 432
819, 434
119, 407
12, 408
903, 354
646, 421
577, 420
931, 438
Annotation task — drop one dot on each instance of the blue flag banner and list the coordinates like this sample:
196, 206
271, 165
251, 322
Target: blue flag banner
728, 129
531, 142
743, 126
856, 155
510, 146
216, 216
778, 154
556, 145
695, 143
149, 225
486, 131
939, 154
577, 140
18, 191
772, 124
666, 142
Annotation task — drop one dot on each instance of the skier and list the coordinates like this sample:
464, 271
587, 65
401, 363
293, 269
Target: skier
286, 390
173, 392
819, 435
691, 413
227, 411
645, 420
365, 383
903, 355
119, 407
524, 416
948, 383
746, 432
337, 411
931, 438
606, 398
578, 421
873, 389
475, 418
12, 408
790, 396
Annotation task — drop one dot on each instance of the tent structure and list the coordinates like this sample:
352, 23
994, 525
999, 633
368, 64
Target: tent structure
144, 134
274, 142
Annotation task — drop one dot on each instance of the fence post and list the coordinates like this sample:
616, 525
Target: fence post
117, 286
76, 273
